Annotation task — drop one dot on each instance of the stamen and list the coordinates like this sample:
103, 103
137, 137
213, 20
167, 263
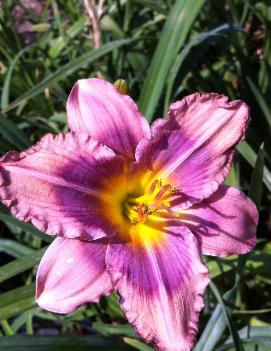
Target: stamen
161, 192
156, 184
139, 208
142, 212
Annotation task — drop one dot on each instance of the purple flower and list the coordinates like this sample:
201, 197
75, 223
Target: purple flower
21, 15
134, 208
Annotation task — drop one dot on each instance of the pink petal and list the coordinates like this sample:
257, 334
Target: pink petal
225, 223
193, 148
56, 185
72, 272
96, 107
161, 287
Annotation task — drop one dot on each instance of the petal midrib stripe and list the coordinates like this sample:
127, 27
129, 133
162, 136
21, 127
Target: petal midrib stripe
55, 180
198, 142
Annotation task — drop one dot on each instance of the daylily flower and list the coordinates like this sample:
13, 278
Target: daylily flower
133, 207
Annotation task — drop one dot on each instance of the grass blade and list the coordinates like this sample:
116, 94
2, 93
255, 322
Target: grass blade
256, 185
13, 134
14, 248
20, 265
151, 4
250, 156
6, 86
26, 227
16, 301
59, 44
109, 329
215, 326
236, 340
191, 54
137, 344
252, 337
61, 343
178, 24
66, 70
261, 101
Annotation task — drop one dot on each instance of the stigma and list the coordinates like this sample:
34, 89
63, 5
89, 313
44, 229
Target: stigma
138, 209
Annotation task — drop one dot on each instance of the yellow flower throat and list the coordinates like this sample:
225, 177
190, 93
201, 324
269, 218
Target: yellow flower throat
137, 209
136, 205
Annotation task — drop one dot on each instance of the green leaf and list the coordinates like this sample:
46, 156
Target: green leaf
191, 54
16, 301
235, 336
13, 134
256, 184
178, 24
113, 306
251, 344
254, 338
151, 4
218, 266
261, 101
137, 344
61, 343
59, 44
64, 71
14, 295
20, 265
215, 326
26, 227
258, 264
6, 86
248, 332
109, 24
14, 248
250, 156
109, 329
6, 328
22, 319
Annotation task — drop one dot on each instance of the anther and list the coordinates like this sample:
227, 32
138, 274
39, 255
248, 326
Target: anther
134, 221
173, 190
153, 187
158, 183
139, 208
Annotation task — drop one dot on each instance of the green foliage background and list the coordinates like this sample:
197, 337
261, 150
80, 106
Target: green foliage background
165, 49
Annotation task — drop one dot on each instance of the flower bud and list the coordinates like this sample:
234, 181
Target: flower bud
122, 86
